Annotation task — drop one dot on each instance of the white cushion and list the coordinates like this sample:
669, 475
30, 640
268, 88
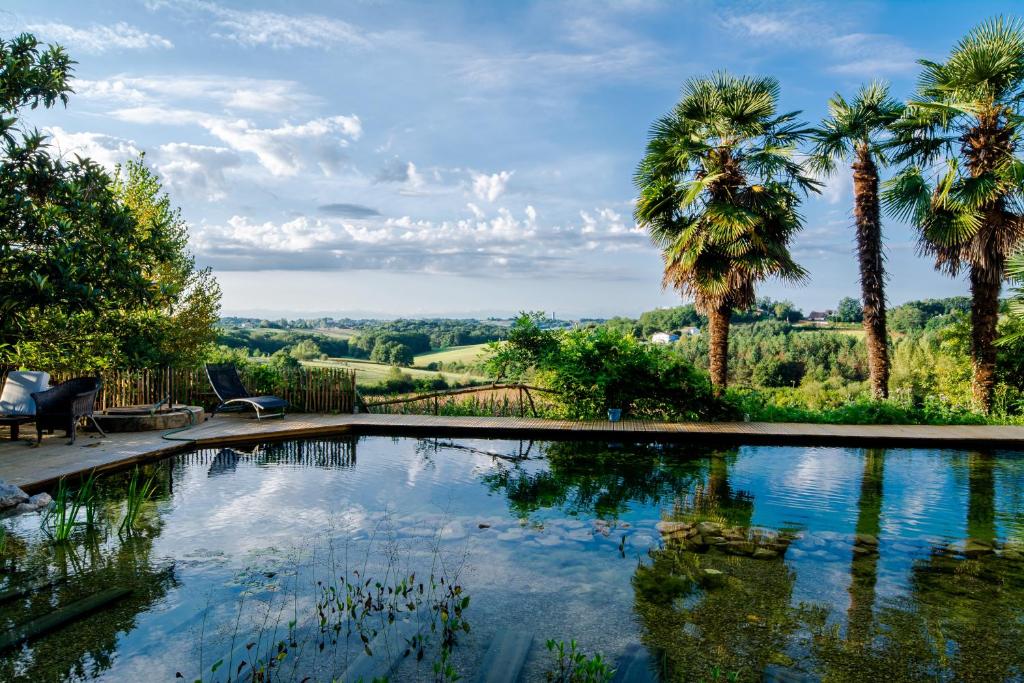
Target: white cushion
16, 398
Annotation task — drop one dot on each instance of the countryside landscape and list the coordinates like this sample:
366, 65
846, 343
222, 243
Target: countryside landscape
548, 341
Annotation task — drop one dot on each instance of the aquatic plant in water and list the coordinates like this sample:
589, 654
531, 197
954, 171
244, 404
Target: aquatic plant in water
574, 666
61, 517
138, 494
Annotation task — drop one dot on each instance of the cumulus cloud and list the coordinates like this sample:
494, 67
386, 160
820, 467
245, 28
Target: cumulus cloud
285, 150
197, 170
490, 187
98, 38
500, 242
106, 150
255, 28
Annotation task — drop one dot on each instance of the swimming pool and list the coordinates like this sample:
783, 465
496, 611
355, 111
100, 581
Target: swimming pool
785, 562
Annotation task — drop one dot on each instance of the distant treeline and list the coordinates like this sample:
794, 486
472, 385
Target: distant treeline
390, 342
681, 317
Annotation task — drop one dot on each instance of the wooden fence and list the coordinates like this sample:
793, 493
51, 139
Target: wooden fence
307, 389
498, 400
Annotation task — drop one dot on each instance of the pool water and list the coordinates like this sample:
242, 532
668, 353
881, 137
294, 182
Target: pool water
777, 563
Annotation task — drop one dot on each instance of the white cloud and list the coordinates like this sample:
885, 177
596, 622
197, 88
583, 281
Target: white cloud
197, 170
149, 115
502, 242
490, 187
827, 29
413, 176
99, 38
230, 92
870, 55
285, 150
254, 28
106, 150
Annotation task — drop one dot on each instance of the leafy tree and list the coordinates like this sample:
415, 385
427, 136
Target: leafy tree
858, 130
963, 182
907, 318
95, 270
718, 195
849, 311
306, 349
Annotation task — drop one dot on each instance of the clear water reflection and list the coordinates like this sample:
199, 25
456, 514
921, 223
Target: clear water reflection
785, 563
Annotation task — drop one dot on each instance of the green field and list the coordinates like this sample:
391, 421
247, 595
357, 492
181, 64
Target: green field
469, 355
369, 373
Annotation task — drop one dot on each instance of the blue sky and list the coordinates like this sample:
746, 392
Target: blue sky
410, 158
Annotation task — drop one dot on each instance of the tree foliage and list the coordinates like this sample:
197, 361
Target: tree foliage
593, 369
94, 269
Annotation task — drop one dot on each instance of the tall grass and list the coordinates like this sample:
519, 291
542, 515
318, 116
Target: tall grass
138, 495
61, 517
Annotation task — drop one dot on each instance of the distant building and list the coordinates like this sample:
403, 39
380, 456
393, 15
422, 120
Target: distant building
664, 338
690, 331
819, 317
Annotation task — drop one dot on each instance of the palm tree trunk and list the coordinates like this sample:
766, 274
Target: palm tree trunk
864, 567
718, 347
985, 287
872, 269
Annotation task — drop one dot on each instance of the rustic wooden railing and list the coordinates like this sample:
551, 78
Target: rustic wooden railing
307, 389
497, 399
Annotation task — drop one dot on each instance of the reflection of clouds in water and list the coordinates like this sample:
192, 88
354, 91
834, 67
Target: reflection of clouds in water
813, 486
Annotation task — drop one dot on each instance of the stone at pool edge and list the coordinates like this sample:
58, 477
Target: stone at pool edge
14, 501
11, 496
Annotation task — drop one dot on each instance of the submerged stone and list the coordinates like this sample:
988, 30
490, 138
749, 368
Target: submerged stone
865, 539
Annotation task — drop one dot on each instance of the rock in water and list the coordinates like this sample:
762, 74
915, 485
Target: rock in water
866, 539
40, 500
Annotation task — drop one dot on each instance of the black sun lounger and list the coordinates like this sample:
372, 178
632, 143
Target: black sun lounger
233, 395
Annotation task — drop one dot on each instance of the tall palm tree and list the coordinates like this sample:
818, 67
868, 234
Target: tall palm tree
857, 131
718, 192
1015, 271
963, 186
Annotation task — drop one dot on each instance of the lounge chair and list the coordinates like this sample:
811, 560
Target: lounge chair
64, 405
16, 403
234, 396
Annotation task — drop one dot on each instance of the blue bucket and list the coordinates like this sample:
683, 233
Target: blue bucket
614, 414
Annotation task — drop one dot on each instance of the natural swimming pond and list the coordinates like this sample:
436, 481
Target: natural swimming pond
298, 558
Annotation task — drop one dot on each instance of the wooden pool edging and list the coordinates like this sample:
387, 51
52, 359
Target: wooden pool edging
224, 431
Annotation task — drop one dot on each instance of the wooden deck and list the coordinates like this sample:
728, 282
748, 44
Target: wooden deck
37, 469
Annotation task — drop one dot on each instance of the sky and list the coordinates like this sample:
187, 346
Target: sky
378, 158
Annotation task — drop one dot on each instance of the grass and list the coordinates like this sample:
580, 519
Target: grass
369, 373
468, 355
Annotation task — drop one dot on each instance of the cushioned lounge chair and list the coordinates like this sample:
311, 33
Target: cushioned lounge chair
64, 405
234, 396
16, 403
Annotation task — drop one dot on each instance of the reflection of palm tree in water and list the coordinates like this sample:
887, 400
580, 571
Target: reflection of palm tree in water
981, 498
864, 566
737, 507
702, 611
963, 617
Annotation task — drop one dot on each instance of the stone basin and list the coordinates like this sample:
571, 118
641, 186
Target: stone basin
139, 419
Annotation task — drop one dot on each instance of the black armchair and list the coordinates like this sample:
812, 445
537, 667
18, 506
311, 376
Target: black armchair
62, 406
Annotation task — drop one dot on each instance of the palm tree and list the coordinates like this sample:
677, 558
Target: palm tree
963, 186
718, 195
857, 131
1015, 271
